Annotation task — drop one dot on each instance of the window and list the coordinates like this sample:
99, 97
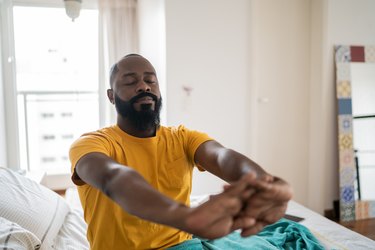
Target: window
56, 83
53, 72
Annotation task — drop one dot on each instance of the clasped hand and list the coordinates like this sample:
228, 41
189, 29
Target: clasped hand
248, 205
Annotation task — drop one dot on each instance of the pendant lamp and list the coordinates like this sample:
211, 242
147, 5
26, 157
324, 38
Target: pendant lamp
72, 8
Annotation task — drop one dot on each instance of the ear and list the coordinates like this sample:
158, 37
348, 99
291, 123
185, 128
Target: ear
110, 96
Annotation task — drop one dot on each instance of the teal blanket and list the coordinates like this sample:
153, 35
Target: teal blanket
284, 234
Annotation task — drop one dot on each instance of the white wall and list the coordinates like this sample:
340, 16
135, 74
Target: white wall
351, 22
151, 20
293, 53
207, 45
248, 63
281, 61
262, 74
323, 168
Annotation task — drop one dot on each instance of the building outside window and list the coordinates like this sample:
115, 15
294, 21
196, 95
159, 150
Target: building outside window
56, 83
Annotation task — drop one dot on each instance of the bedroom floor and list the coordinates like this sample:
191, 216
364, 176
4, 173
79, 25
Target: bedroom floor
365, 227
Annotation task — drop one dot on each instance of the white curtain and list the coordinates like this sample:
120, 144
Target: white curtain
119, 35
3, 146
3, 135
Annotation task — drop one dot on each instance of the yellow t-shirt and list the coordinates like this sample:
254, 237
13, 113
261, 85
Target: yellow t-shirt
166, 162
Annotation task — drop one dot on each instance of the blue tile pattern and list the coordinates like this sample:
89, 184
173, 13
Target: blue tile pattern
347, 194
345, 106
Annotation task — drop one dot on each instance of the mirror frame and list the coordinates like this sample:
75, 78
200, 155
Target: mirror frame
350, 208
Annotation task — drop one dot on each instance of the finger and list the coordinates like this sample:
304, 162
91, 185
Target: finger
251, 180
274, 214
259, 225
212, 196
260, 184
219, 227
226, 187
249, 176
229, 204
239, 186
256, 207
232, 205
247, 193
214, 210
268, 213
272, 192
243, 222
258, 204
282, 189
267, 178
254, 182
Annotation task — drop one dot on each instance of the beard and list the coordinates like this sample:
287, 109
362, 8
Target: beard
144, 119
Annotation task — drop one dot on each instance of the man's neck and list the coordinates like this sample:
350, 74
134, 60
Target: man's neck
131, 130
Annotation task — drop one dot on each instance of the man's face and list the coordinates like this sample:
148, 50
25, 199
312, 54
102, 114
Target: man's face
135, 92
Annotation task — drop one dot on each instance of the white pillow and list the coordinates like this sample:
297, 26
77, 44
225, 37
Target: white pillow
32, 206
14, 237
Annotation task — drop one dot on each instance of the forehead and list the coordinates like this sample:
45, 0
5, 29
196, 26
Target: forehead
135, 64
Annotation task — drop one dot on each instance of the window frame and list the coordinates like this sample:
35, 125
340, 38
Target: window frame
10, 141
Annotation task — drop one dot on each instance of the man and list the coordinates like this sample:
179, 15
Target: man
134, 178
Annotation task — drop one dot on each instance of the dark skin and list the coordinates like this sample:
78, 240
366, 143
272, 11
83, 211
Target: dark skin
252, 200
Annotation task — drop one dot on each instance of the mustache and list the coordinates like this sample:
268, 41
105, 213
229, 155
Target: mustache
141, 95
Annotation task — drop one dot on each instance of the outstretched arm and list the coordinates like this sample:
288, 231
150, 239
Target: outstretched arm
215, 218
226, 163
126, 187
267, 203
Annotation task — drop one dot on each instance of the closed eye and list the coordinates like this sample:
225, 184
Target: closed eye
150, 81
129, 79
130, 83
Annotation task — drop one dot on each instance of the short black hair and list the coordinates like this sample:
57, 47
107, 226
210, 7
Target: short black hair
114, 69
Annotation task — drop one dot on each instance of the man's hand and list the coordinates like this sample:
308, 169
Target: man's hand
248, 204
219, 215
269, 195
267, 205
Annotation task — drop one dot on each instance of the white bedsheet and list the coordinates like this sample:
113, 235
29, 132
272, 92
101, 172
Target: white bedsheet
332, 235
72, 235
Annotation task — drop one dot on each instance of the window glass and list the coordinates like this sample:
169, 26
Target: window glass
56, 82
52, 52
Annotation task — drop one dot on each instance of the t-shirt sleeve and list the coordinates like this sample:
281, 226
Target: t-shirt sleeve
192, 140
87, 143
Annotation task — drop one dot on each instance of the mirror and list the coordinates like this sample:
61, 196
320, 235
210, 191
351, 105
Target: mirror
355, 92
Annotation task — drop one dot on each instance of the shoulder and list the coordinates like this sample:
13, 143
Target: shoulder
101, 136
105, 133
100, 141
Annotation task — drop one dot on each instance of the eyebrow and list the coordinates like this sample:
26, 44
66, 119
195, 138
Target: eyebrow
129, 74
149, 73
134, 74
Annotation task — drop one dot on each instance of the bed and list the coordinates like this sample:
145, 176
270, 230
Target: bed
34, 217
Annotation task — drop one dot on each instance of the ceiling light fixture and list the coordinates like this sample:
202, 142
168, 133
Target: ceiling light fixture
72, 8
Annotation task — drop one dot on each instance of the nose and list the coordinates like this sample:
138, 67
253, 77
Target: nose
143, 87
